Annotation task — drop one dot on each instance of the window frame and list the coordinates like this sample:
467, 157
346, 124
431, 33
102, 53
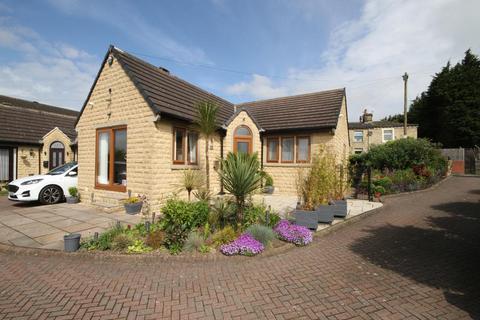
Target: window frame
277, 159
111, 157
185, 151
281, 149
383, 134
242, 138
296, 149
196, 148
354, 137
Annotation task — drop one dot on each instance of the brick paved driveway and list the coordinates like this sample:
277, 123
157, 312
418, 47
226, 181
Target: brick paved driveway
417, 258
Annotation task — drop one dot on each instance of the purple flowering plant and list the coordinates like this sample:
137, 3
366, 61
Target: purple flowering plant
245, 245
289, 232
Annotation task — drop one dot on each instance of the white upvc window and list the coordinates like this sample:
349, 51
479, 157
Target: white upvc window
388, 134
357, 150
358, 136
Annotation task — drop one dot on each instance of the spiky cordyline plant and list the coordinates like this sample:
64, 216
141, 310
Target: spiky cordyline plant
240, 175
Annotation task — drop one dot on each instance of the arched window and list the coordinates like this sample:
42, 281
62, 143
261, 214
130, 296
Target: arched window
57, 154
242, 139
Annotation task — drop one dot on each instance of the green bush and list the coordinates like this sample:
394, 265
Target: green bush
121, 241
138, 246
380, 190
73, 191
180, 217
261, 233
384, 182
253, 214
223, 213
194, 242
104, 241
223, 236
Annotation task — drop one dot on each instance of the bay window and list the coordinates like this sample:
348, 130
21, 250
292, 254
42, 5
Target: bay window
111, 159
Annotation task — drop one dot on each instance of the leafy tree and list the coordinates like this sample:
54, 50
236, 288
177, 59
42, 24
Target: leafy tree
207, 122
191, 180
395, 118
240, 174
449, 111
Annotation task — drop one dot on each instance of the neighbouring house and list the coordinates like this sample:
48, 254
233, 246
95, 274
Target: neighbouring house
367, 132
34, 137
137, 132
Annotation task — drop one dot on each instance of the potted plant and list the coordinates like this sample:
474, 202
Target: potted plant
74, 198
268, 188
379, 190
71, 242
315, 186
133, 205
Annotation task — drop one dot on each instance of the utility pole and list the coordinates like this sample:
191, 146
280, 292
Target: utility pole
405, 80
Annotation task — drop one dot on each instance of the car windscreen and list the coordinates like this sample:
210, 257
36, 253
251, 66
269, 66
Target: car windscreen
62, 169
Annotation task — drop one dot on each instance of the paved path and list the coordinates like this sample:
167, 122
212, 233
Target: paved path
417, 258
43, 226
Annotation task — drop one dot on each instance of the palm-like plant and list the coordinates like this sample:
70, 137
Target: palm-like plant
192, 179
240, 175
207, 122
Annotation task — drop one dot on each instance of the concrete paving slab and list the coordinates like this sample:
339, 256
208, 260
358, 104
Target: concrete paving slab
15, 220
49, 238
25, 241
78, 227
7, 234
36, 229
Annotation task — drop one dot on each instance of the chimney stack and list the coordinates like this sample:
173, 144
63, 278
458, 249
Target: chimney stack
367, 116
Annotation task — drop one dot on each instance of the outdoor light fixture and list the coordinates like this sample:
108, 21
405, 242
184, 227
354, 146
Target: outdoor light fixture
110, 60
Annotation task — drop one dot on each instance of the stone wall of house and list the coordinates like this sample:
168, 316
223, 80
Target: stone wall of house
285, 174
150, 168
376, 137
51, 137
27, 161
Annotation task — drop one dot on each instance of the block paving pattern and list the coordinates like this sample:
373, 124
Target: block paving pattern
416, 258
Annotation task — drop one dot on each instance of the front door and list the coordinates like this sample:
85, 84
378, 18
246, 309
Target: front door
57, 155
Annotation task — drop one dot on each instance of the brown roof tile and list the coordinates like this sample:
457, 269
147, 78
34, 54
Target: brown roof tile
25, 121
311, 110
167, 93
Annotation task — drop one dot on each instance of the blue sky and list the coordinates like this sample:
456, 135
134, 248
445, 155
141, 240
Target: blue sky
50, 51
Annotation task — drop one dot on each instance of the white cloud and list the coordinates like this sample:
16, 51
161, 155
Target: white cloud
53, 73
368, 55
260, 87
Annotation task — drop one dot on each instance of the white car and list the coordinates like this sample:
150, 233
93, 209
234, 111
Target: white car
47, 188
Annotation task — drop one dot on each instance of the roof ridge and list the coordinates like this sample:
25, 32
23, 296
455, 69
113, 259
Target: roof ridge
169, 74
29, 104
291, 96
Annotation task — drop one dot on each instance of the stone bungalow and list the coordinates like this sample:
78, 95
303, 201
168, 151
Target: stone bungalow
34, 137
136, 132
367, 132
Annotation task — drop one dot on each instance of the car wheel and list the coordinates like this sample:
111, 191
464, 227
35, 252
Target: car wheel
50, 195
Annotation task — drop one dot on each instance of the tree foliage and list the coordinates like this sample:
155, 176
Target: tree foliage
207, 122
449, 111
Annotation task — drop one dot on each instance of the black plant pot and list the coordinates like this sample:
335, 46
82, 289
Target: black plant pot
72, 200
268, 189
133, 208
307, 219
71, 242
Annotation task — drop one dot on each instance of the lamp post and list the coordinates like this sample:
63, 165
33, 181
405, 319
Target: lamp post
405, 80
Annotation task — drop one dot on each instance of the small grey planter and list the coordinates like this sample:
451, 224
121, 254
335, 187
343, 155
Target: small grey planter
340, 208
72, 200
133, 208
325, 214
307, 219
268, 189
71, 242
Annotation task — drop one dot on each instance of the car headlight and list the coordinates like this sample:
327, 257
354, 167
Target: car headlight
31, 182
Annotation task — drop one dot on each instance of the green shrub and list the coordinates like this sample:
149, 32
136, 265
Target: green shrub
380, 190
194, 241
223, 236
121, 241
268, 180
222, 214
180, 217
155, 239
261, 233
138, 246
253, 214
273, 218
384, 182
104, 241
73, 191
